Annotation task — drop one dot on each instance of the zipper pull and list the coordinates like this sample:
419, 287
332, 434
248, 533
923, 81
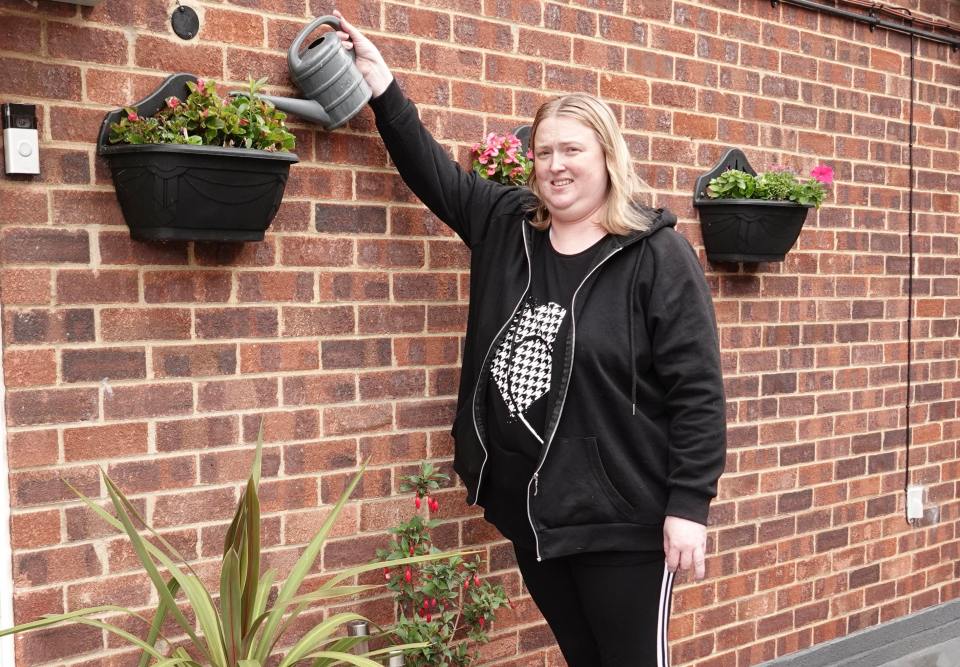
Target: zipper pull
536, 483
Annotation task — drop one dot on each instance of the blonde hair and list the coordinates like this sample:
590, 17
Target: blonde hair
620, 216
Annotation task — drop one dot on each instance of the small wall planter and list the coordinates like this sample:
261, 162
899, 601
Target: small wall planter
745, 230
193, 193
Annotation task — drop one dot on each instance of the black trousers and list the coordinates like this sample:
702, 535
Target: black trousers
606, 609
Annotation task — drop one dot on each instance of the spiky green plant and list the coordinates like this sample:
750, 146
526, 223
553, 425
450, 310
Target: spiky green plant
243, 632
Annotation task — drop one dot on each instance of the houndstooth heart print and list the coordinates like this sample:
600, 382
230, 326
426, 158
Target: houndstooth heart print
523, 364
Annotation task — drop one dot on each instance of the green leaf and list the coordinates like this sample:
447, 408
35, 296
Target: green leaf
158, 621
315, 636
139, 546
230, 605
300, 570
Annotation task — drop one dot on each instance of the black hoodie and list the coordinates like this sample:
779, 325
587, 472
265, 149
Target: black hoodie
636, 427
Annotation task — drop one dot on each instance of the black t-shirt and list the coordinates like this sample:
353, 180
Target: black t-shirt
525, 365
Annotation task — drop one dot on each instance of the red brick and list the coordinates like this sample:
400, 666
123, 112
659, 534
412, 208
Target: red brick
391, 319
52, 406
358, 353
25, 287
35, 529
119, 248
104, 286
388, 385
318, 389
29, 368
23, 245
430, 351
99, 442
236, 322
176, 56
359, 419
335, 218
316, 252
390, 254
221, 25
269, 357
276, 286
127, 324
27, 449
237, 394
28, 78
155, 474
342, 286
73, 42
186, 286
152, 400
188, 508
95, 365
201, 433
318, 321
194, 360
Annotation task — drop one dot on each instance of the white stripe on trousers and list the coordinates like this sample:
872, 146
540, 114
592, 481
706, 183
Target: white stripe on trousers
663, 618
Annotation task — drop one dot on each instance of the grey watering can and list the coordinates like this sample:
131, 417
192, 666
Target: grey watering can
328, 77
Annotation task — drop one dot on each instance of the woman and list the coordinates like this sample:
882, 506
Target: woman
590, 420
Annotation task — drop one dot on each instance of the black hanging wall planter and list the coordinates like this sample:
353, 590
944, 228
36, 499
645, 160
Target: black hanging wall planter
745, 230
193, 193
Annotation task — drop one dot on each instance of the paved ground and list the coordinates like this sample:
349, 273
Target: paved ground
930, 638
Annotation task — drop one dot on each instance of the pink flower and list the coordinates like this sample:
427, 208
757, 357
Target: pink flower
173, 102
201, 85
529, 154
244, 122
822, 173
132, 116
491, 170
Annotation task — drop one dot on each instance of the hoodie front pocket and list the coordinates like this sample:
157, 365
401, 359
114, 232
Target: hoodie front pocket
573, 488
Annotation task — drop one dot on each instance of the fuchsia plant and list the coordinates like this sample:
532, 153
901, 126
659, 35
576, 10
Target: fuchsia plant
442, 604
500, 158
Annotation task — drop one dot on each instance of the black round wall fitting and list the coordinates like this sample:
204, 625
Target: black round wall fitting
185, 22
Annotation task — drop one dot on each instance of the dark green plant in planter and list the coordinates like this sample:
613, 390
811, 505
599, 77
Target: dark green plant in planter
189, 165
749, 218
242, 624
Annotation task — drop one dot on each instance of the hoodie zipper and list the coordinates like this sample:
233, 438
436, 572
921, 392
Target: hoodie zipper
535, 480
483, 366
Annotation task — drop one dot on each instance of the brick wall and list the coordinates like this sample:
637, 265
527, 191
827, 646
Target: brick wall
343, 328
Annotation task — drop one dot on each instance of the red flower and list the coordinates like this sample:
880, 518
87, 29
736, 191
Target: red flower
173, 102
244, 122
407, 575
132, 116
417, 502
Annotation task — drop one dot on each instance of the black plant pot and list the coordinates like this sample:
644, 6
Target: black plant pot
745, 230
193, 193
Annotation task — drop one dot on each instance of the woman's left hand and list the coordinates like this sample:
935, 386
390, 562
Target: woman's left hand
685, 545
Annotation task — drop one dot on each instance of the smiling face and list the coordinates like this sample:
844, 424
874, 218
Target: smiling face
571, 169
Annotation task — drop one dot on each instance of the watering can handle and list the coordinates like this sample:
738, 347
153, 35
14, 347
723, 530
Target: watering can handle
294, 53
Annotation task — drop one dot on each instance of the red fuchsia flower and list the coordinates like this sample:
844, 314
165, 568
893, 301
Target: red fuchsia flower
476, 580
434, 504
823, 174
386, 573
429, 617
407, 575
416, 502
132, 116
411, 549
173, 102
481, 621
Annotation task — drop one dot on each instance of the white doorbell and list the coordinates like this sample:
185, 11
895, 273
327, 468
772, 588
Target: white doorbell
21, 144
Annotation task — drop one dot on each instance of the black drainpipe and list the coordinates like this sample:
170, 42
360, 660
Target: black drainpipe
874, 21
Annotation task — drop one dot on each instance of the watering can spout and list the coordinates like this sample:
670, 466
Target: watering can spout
306, 109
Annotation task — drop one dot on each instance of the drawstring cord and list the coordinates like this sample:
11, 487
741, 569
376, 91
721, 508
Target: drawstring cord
631, 306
